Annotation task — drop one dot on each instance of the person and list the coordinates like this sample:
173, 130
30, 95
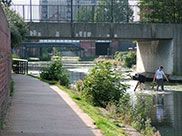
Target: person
141, 80
159, 74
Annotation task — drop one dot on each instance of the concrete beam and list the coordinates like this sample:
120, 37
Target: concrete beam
96, 31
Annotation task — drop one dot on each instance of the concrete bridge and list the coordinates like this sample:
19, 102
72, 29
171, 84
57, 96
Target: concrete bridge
157, 44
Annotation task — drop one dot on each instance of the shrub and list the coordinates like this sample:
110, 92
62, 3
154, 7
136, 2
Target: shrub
120, 55
55, 72
102, 85
79, 85
45, 55
130, 59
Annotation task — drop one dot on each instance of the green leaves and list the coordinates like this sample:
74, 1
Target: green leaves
17, 27
166, 11
106, 11
55, 72
102, 85
130, 59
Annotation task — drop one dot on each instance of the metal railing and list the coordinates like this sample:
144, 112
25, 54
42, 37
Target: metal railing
147, 13
77, 13
20, 66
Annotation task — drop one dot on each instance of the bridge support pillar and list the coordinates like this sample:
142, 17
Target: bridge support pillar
153, 53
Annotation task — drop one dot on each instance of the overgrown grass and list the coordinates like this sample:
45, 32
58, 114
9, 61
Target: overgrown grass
108, 127
12, 88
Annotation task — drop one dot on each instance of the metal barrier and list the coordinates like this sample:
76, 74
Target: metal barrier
78, 13
133, 11
20, 66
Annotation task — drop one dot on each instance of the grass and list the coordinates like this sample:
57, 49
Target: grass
12, 88
108, 127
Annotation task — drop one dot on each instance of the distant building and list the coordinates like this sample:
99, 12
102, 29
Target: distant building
61, 9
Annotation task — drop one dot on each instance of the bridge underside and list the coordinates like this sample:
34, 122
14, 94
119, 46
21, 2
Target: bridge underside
158, 44
152, 54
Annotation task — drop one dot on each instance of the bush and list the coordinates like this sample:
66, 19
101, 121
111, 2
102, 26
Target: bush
79, 85
130, 59
45, 55
55, 72
102, 85
120, 55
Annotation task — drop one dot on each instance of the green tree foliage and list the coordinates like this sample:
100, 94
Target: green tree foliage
163, 11
6, 3
106, 11
120, 55
130, 59
17, 27
45, 55
84, 15
102, 85
55, 72
113, 11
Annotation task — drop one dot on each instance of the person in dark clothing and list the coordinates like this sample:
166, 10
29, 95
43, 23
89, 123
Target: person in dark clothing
141, 80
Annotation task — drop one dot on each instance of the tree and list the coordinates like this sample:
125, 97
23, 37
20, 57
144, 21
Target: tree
6, 3
163, 11
106, 11
84, 15
114, 11
17, 27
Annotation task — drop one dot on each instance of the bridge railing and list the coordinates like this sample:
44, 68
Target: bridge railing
77, 13
116, 13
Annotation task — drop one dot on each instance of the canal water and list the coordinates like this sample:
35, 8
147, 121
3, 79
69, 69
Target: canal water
77, 70
166, 115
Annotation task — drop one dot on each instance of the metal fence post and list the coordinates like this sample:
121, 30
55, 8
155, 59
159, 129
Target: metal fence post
93, 11
71, 11
30, 10
112, 11
23, 12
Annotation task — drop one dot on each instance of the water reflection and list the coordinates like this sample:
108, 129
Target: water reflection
77, 73
167, 115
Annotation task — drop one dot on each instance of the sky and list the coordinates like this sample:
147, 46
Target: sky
25, 1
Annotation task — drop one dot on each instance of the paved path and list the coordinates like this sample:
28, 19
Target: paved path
37, 110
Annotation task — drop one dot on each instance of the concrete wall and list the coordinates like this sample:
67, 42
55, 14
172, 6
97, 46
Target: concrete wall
152, 54
5, 64
107, 31
177, 57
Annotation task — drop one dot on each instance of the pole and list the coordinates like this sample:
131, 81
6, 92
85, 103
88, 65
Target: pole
112, 11
71, 11
30, 10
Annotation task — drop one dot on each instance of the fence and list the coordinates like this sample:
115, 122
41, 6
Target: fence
20, 66
149, 12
